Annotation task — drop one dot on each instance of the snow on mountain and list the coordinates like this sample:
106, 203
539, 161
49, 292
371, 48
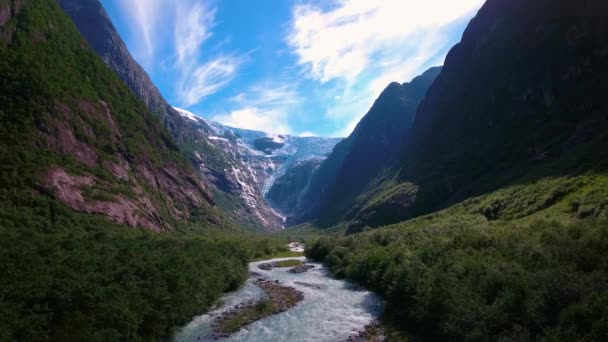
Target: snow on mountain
188, 115
270, 155
264, 157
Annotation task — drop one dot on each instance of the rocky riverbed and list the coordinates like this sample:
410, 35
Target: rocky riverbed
279, 298
372, 332
315, 308
267, 266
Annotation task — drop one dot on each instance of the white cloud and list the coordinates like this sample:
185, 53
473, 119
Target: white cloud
267, 95
199, 79
307, 134
192, 29
143, 14
182, 28
208, 78
256, 119
362, 46
263, 107
358, 34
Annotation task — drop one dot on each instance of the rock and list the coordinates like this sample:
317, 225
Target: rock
301, 269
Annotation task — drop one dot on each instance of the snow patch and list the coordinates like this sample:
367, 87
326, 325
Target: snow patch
188, 115
279, 139
218, 138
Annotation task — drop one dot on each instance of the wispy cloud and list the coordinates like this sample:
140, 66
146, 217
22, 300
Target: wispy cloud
362, 46
356, 34
186, 26
266, 95
208, 78
143, 14
193, 27
200, 77
265, 120
263, 107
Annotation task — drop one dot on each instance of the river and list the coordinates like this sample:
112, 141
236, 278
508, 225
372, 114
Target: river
331, 311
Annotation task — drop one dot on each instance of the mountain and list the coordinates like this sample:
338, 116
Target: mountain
493, 223
92, 21
106, 232
522, 90
237, 190
84, 138
375, 143
258, 161
234, 191
271, 155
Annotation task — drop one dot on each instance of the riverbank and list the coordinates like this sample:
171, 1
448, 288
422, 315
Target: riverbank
373, 332
279, 298
329, 309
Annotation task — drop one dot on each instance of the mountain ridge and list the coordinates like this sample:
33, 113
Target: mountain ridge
243, 205
98, 149
265, 164
374, 145
520, 118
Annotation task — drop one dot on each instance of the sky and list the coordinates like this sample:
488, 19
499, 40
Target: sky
299, 67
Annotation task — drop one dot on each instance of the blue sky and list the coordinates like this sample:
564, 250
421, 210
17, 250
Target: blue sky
301, 67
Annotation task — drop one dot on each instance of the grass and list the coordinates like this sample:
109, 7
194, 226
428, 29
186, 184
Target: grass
261, 309
289, 263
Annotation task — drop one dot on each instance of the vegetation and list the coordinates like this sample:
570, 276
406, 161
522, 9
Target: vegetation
527, 262
71, 276
288, 263
74, 276
281, 254
279, 298
262, 308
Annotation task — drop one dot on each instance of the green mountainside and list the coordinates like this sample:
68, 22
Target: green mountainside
493, 225
83, 136
521, 91
106, 234
374, 145
212, 163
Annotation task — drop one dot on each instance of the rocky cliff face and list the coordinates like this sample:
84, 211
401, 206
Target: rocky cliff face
523, 88
234, 191
374, 144
217, 157
94, 24
260, 163
84, 138
287, 190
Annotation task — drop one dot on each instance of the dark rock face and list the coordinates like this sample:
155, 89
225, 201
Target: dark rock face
216, 167
267, 145
94, 24
357, 160
287, 190
524, 86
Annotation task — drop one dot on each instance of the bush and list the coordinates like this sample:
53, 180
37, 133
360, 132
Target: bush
543, 280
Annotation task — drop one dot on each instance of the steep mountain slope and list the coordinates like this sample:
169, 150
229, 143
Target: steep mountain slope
84, 138
269, 155
524, 88
233, 193
512, 139
373, 145
237, 190
94, 24
289, 188
86, 174
258, 161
